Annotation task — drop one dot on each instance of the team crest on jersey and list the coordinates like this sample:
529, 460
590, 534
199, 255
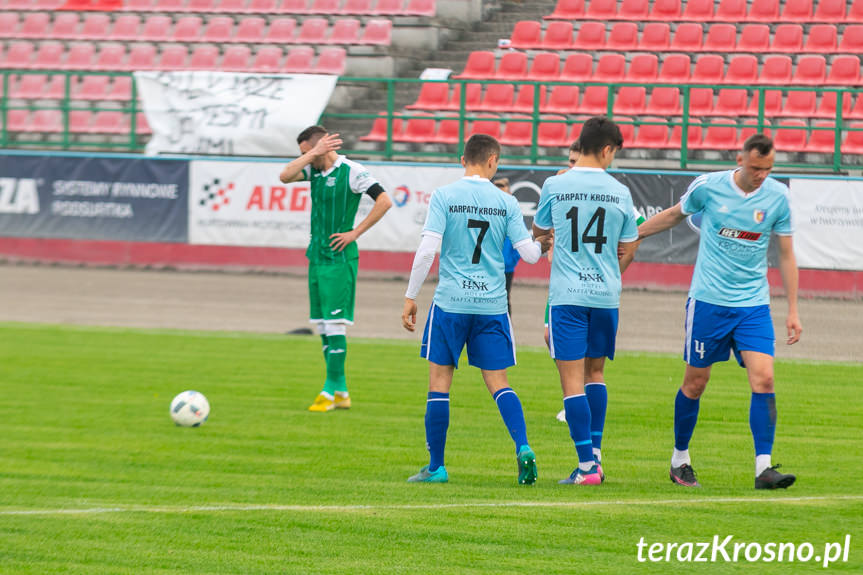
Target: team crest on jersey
331, 181
758, 216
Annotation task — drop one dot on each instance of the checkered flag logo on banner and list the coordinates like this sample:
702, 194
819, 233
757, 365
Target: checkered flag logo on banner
215, 195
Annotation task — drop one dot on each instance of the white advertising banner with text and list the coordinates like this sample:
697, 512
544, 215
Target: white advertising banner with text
245, 204
828, 223
225, 113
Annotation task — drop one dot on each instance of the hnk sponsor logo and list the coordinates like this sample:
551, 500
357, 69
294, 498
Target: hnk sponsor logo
19, 196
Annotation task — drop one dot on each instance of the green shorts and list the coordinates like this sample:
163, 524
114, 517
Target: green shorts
332, 291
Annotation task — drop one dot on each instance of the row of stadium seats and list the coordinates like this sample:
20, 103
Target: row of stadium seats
129, 27
676, 68
687, 37
54, 56
633, 100
555, 132
335, 7
80, 122
709, 11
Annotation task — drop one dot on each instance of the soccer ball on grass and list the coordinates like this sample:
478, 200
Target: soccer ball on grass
190, 409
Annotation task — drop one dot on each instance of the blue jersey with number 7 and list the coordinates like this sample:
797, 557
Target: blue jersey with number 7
591, 213
472, 217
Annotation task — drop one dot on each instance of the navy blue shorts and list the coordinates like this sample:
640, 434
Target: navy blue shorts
576, 332
714, 331
489, 339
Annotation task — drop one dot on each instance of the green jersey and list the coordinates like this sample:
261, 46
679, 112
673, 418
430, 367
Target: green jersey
336, 196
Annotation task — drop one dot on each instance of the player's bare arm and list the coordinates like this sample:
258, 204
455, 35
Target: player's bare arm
788, 269
664, 220
294, 170
340, 241
626, 253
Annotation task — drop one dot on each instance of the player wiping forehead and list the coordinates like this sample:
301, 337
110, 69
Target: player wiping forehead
728, 306
469, 220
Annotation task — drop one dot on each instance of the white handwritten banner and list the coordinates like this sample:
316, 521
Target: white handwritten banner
224, 113
828, 223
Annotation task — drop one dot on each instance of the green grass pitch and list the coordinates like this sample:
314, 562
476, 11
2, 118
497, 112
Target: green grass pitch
95, 479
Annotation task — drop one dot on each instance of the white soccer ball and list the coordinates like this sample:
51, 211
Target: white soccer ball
190, 409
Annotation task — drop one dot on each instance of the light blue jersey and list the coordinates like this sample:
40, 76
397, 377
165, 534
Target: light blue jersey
473, 217
591, 213
731, 268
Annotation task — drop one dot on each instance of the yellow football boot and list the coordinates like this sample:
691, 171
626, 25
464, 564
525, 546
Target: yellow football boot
342, 400
323, 403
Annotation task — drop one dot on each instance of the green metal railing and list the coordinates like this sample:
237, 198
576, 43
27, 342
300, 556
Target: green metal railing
400, 89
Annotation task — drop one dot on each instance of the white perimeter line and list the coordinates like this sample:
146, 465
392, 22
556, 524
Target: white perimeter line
409, 507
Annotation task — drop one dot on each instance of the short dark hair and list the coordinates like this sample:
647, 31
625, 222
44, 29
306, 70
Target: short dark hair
575, 146
597, 133
758, 142
479, 148
310, 133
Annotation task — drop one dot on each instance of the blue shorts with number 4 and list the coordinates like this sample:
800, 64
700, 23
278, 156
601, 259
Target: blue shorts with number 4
576, 332
489, 339
714, 331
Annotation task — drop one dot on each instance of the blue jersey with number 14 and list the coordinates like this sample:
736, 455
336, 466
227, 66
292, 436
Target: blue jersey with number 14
591, 213
472, 217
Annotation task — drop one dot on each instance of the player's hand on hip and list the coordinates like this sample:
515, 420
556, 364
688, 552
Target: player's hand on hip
340, 241
409, 315
795, 328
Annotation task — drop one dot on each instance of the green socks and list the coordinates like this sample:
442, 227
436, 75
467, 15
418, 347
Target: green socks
335, 356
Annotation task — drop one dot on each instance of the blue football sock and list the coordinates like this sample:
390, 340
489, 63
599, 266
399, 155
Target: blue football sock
685, 418
437, 422
512, 414
597, 398
762, 421
578, 419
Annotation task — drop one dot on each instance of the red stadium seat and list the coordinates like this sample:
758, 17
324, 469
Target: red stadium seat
751, 127
853, 143
517, 133
142, 57
764, 11
50, 121
567, 10
797, 11
188, 29
80, 121
693, 137
432, 96
138, 5
594, 101
552, 133
35, 25
9, 24
562, 100
201, 6
664, 102
810, 70
558, 36
95, 26
742, 69
827, 105
359, 7
110, 122
325, 6
602, 10
65, 26
347, 31
168, 6
377, 32
775, 70
754, 38
652, 133
19, 55
731, 103
630, 101
545, 67
281, 31
479, 65
643, 68
792, 138
512, 66
472, 96
721, 38
574, 133
219, 29
719, 138
378, 133
18, 120
487, 124
497, 98
172, 58
525, 98
709, 69
120, 89
591, 36
799, 104
844, 71
700, 101
822, 138
111, 57
623, 37
232, 6
267, 59
332, 60
698, 11
577, 68
448, 128
830, 11
788, 38
687, 38
264, 7
389, 7
822, 39
675, 69
236, 59
299, 60
251, 30
855, 12
772, 104
49, 56
627, 129
313, 31
80, 57
633, 10
526, 34
420, 8
28, 87
91, 88
126, 28
655, 37
852, 39
731, 11
203, 58
610, 68
665, 10
156, 29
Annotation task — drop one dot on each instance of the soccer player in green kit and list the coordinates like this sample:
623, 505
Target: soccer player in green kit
337, 184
